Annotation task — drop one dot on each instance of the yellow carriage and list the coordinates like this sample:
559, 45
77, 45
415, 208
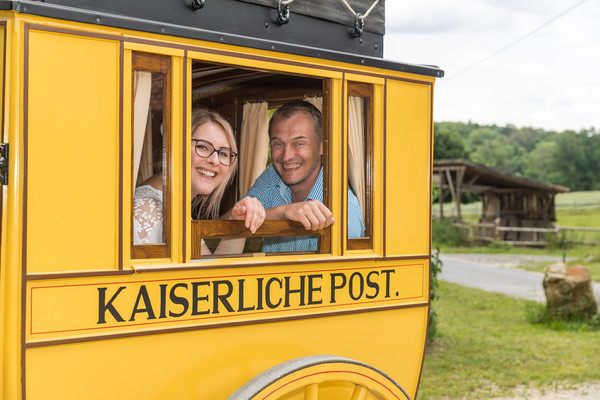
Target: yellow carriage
97, 96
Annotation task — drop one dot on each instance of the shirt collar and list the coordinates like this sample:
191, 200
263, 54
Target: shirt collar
316, 193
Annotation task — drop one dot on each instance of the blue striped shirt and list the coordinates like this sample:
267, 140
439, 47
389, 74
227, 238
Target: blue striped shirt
271, 191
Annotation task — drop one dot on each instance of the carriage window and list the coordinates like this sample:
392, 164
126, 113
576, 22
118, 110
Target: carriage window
360, 164
151, 148
246, 99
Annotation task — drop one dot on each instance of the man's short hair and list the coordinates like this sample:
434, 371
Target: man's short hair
293, 107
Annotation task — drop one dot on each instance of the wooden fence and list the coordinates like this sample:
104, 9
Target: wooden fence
493, 232
475, 208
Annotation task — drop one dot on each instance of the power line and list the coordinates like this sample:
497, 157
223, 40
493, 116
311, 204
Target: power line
511, 44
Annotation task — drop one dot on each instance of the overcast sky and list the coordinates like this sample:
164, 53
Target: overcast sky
544, 78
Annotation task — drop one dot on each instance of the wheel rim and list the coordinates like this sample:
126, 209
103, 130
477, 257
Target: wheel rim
321, 377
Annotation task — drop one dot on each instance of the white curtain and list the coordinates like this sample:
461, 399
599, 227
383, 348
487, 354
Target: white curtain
254, 144
315, 101
142, 84
356, 148
146, 162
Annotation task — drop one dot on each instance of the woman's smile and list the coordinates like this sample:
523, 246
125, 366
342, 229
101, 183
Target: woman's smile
207, 173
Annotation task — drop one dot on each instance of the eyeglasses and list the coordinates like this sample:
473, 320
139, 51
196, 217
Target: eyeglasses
206, 149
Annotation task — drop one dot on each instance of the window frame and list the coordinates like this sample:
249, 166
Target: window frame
207, 229
366, 91
156, 63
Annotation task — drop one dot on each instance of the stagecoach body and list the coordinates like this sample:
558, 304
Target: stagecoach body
86, 314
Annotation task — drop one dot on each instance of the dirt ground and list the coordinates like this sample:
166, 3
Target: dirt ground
588, 391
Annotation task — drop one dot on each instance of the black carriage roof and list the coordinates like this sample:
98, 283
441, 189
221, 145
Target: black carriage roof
316, 28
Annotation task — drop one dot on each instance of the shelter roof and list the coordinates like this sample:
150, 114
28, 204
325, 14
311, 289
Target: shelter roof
479, 178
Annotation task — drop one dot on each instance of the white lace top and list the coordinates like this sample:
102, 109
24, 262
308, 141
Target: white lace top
147, 215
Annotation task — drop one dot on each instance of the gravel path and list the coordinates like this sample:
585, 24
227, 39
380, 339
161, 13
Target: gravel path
506, 260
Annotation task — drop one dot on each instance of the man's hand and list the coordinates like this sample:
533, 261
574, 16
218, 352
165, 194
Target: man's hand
312, 214
251, 211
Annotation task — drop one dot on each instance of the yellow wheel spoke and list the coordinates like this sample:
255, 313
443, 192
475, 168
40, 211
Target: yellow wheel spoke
311, 392
360, 393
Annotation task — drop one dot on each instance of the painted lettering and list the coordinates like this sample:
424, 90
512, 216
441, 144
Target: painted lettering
312, 289
147, 308
354, 278
289, 291
335, 286
387, 273
163, 301
182, 301
103, 306
222, 298
196, 298
268, 301
259, 295
241, 296
372, 284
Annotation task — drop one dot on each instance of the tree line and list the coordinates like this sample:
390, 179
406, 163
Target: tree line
567, 158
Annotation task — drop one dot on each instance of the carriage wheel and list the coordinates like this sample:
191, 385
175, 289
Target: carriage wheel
321, 377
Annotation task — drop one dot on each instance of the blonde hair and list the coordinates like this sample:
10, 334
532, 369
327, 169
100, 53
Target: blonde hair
206, 206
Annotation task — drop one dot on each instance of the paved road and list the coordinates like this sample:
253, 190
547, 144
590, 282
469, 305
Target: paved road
494, 278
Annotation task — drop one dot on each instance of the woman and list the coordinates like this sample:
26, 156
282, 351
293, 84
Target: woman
214, 162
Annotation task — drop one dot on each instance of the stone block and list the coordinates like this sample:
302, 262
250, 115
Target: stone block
569, 291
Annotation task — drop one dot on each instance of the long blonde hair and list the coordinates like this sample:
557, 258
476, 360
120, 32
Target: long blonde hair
206, 206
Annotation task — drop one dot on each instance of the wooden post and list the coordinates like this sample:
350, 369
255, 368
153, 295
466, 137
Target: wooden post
441, 200
441, 196
496, 231
454, 197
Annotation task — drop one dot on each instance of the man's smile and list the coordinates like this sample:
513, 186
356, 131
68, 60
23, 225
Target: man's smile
291, 166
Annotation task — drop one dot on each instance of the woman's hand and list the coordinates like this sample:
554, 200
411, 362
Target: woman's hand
251, 211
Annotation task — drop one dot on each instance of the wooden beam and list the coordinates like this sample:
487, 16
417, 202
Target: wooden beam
453, 193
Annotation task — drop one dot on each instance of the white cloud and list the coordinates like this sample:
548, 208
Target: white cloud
546, 79
431, 17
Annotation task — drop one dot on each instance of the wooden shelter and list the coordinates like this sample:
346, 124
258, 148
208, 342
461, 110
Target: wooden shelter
507, 200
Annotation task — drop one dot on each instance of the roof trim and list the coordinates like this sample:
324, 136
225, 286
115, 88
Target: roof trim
365, 51
510, 179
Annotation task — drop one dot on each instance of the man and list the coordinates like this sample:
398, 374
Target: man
292, 187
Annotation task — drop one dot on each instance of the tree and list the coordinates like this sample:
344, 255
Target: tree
448, 144
568, 158
489, 147
540, 163
570, 161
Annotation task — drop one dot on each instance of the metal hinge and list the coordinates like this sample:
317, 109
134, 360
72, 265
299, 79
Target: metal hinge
4, 163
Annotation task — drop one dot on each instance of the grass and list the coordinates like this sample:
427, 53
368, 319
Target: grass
582, 196
579, 218
487, 347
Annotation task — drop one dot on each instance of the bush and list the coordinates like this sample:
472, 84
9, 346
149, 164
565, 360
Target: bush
436, 268
445, 234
